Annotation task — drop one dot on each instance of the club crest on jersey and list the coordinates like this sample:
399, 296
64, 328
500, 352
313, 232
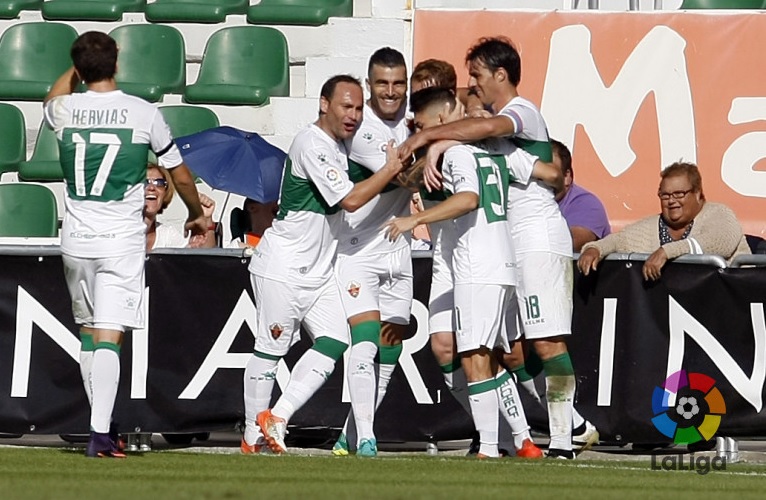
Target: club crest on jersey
353, 289
276, 330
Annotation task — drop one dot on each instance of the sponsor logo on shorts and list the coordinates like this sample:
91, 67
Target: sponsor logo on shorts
276, 330
353, 289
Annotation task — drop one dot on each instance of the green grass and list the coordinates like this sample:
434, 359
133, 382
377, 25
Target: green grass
65, 473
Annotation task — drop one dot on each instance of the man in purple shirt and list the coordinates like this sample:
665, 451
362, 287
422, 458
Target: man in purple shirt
582, 210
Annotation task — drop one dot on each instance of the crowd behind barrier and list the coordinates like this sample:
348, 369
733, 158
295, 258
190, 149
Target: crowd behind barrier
184, 372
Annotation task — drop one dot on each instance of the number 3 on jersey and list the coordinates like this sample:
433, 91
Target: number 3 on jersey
105, 163
495, 178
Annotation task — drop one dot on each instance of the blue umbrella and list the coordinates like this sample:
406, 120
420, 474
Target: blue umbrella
236, 161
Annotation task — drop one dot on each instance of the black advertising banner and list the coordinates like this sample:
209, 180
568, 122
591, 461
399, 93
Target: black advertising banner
184, 371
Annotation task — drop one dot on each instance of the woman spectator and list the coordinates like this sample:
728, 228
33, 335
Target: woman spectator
687, 224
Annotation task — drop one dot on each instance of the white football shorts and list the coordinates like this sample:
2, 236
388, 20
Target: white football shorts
480, 316
441, 300
545, 294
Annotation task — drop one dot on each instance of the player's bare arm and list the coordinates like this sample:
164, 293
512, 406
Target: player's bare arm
64, 85
367, 189
550, 174
453, 207
196, 223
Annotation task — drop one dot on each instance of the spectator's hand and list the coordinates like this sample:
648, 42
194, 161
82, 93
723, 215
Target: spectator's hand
197, 241
589, 260
653, 266
399, 225
208, 205
198, 226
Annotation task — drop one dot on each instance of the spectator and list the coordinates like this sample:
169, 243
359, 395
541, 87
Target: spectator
257, 218
158, 194
687, 224
582, 210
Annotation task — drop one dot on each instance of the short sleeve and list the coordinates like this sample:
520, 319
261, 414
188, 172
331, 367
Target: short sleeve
368, 148
459, 170
323, 168
55, 112
521, 116
520, 164
162, 143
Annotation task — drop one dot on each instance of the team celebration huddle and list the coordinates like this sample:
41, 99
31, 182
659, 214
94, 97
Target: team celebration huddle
336, 262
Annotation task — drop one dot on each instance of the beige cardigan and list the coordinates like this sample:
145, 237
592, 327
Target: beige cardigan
716, 231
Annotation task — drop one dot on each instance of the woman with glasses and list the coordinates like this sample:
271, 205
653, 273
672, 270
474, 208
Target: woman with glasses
158, 194
687, 224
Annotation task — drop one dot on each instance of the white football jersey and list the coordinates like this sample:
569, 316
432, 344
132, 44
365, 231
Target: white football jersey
104, 138
300, 246
531, 132
483, 251
362, 233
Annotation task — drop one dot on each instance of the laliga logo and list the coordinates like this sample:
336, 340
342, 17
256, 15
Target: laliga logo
697, 412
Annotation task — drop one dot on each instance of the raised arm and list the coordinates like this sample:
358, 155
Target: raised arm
64, 85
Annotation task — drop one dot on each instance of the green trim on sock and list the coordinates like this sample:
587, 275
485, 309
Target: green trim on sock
263, 355
533, 363
389, 354
108, 345
366, 331
331, 348
502, 377
522, 375
452, 366
484, 386
86, 342
560, 365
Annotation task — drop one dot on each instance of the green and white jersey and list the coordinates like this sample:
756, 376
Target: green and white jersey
531, 132
104, 138
300, 245
536, 221
362, 233
483, 251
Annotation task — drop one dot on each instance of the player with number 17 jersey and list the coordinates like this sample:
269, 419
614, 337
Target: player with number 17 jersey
104, 139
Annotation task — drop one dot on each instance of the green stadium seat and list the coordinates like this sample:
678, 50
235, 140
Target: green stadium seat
32, 57
152, 60
194, 11
187, 120
723, 4
27, 210
242, 65
44, 164
91, 10
10, 9
302, 12
13, 138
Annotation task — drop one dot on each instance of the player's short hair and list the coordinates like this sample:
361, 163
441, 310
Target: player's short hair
560, 149
386, 57
170, 191
94, 55
431, 96
435, 73
690, 170
328, 88
495, 53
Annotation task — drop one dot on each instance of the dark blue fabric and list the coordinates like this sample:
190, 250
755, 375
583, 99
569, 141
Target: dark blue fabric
236, 161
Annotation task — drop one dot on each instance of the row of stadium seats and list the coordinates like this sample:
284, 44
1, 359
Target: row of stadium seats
241, 65
44, 164
292, 12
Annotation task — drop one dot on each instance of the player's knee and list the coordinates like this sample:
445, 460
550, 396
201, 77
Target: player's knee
443, 347
331, 348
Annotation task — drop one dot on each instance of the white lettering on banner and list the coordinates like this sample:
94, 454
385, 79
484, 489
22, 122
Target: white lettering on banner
219, 355
682, 323
29, 312
739, 159
140, 343
574, 93
606, 353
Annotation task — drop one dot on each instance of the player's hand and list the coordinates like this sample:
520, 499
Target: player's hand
477, 112
652, 269
395, 227
196, 226
589, 260
392, 156
208, 205
432, 175
407, 148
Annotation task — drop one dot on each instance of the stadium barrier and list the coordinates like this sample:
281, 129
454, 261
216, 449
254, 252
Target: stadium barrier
184, 371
